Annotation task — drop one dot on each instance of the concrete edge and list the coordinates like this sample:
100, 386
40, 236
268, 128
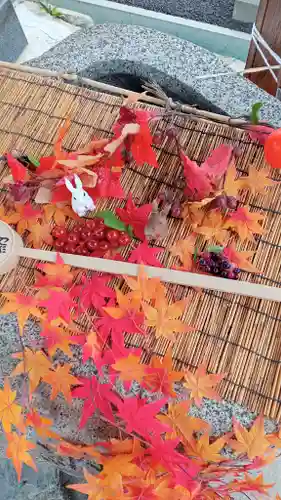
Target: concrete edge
223, 41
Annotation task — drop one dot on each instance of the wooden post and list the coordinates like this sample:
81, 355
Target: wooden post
268, 23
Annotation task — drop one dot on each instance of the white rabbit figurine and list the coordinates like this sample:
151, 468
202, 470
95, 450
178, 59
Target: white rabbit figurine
81, 202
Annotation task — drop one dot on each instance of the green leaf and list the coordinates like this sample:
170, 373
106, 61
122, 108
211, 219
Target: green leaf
255, 115
215, 249
33, 160
130, 231
195, 255
111, 220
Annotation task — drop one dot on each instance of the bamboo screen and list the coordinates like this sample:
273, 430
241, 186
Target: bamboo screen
234, 334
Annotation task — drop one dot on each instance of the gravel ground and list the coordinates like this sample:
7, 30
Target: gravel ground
208, 11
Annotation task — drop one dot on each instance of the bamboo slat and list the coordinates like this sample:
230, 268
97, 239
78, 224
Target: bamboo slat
234, 334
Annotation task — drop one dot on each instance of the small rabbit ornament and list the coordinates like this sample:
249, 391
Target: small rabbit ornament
81, 202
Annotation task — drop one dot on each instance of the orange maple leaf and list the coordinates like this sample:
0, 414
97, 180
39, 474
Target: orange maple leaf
35, 364
164, 318
127, 446
41, 425
203, 450
244, 223
193, 212
253, 442
257, 181
231, 184
182, 424
17, 450
240, 259
11, 218
160, 375
250, 483
213, 227
66, 449
202, 385
60, 381
57, 274
58, 213
145, 288
126, 303
275, 439
24, 306
27, 217
59, 152
184, 249
58, 338
95, 488
39, 234
130, 368
10, 411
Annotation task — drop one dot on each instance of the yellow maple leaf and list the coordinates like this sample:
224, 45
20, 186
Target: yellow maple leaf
60, 381
257, 181
58, 213
231, 184
253, 442
35, 364
17, 450
213, 227
182, 424
23, 305
39, 234
244, 223
203, 450
145, 288
202, 385
164, 318
184, 250
10, 411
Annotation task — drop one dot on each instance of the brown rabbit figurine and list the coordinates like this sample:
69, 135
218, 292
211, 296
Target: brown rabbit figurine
157, 225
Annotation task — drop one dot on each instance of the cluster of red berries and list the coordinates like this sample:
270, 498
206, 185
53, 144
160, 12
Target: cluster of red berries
217, 264
90, 237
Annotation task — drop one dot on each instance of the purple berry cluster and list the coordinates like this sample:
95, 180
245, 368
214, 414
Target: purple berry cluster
217, 264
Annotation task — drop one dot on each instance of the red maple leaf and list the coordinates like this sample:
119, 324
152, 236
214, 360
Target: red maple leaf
144, 254
108, 184
96, 396
47, 163
164, 453
61, 194
137, 217
58, 304
93, 292
217, 163
110, 326
140, 417
139, 144
18, 170
57, 338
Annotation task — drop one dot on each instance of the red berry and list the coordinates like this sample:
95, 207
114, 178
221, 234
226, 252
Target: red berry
59, 245
90, 224
85, 234
99, 223
92, 245
59, 232
114, 243
77, 230
73, 238
112, 235
70, 248
124, 239
82, 250
103, 246
97, 233
176, 212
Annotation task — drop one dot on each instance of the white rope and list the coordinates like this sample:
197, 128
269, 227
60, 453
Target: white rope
261, 44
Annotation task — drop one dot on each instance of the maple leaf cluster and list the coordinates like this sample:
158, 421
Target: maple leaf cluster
212, 192
164, 452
